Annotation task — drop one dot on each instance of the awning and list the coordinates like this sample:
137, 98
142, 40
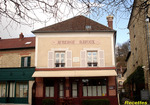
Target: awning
75, 73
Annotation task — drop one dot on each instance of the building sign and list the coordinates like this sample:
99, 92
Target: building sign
64, 42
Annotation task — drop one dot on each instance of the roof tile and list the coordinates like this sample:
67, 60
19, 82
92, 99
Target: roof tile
74, 24
17, 43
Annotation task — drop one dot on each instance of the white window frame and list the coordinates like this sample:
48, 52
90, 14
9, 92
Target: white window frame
92, 55
60, 63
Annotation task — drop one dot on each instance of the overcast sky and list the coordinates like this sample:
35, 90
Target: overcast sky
13, 30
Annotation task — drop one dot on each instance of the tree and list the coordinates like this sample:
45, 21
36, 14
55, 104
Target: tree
121, 54
29, 11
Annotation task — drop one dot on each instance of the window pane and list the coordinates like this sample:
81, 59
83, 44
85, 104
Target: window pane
84, 90
21, 90
61, 94
17, 90
74, 93
94, 90
104, 90
47, 92
94, 53
89, 91
89, 53
74, 89
94, 87
74, 86
25, 61
61, 90
57, 60
57, 55
12, 89
62, 55
62, 60
2, 89
51, 91
99, 91
25, 90
89, 59
94, 58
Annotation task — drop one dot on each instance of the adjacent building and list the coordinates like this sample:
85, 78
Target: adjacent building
17, 57
139, 59
75, 60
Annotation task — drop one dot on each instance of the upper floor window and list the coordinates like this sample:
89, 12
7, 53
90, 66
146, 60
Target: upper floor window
92, 58
59, 59
25, 61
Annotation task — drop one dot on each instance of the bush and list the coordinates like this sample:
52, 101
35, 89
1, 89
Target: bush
48, 102
95, 102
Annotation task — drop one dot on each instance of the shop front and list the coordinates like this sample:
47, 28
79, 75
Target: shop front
16, 85
72, 90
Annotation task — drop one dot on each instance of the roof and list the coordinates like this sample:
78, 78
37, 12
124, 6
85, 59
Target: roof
17, 43
75, 24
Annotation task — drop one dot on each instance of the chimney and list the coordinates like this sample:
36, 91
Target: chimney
0, 38
110, 21
21, 36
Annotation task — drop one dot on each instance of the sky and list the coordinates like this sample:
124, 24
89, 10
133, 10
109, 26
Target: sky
13, 30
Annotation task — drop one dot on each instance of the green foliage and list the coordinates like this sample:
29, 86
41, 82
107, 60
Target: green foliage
95, 102
137, 76
48, 102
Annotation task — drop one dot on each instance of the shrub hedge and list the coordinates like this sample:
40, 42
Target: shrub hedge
48, 102
95, 102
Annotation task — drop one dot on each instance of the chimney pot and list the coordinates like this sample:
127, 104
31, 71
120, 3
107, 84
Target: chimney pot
21, 36
110, 21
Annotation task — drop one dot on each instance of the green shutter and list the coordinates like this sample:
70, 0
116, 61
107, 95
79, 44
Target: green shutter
22, 61
29, 61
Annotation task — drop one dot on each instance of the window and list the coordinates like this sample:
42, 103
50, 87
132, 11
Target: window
49, 88
12, 89
25, 61
120, 83
92, 58
74, 89
2, 89
119, 75
61, 89
21, 89
59, 59
94, 87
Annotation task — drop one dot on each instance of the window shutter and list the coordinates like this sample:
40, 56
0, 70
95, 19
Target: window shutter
22, 61
51, 59
101, 58
29, 61
68, 58
83, 58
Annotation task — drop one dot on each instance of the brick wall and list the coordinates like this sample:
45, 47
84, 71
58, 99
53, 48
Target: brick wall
12, 58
